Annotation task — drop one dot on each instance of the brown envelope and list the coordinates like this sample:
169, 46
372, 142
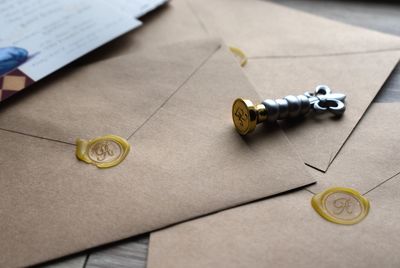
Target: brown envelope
359, 76
291, 52
285, 231
265, 29
174, 106
371, 155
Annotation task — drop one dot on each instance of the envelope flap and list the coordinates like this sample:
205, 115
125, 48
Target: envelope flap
193, 134
186, 161
370, 156
262, 29
318, 138
115, 97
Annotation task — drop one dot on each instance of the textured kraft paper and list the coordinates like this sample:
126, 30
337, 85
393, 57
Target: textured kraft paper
291, 52
318, 138
285, 231
186, 160
265, 29
109, 97
370, 156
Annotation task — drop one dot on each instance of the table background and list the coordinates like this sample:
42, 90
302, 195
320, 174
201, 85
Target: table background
383, 16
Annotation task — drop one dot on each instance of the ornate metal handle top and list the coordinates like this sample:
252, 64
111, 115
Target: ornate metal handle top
246, 115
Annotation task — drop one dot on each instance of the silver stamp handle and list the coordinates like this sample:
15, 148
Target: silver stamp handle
321, 100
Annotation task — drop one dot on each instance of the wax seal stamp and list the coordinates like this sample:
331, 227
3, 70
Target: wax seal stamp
103, 152
341, 205
246, 115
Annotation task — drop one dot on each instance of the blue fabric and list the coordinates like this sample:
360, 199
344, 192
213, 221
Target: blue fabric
11, 58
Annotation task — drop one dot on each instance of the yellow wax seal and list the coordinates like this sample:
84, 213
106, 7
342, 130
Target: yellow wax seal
103, 152
341, 205
240, 54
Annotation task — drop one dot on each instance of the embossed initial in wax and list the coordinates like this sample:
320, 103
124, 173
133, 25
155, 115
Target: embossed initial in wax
104, 152
341, 205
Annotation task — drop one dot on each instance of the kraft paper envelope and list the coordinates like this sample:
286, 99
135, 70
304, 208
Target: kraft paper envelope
264, 29
173, 104
285, 231
371, 155
318, 138
291, 52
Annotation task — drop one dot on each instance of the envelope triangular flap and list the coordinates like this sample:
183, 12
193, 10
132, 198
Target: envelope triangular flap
261, 29
368, 163
115, 96
291, 52
318, 138
370, 156
186, 161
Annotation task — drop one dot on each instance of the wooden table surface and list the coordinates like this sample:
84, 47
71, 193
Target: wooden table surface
383, 16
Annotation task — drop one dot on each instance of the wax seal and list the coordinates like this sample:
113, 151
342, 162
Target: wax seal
239, 54
103, 152
247, 115
341, 205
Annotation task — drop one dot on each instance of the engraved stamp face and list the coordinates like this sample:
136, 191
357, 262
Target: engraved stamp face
104, 151
240, 116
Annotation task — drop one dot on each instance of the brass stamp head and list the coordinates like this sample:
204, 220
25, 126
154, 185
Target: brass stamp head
244, 115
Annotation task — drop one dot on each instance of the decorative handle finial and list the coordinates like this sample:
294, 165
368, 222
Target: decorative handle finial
246, 115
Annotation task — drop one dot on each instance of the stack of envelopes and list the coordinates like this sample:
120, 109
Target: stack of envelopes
168, 88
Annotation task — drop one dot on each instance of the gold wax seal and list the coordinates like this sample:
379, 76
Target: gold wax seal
341, 205
103, 152
240, 54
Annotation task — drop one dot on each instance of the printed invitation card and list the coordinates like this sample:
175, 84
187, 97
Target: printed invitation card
38, 37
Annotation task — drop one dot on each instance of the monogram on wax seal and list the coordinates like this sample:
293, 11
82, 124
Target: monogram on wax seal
341, 205
103, 152
246, 115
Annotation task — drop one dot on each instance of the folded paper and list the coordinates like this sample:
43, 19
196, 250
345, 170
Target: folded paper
172, 104
370, 156
319, 138
290, 51
286, 231
265, 29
